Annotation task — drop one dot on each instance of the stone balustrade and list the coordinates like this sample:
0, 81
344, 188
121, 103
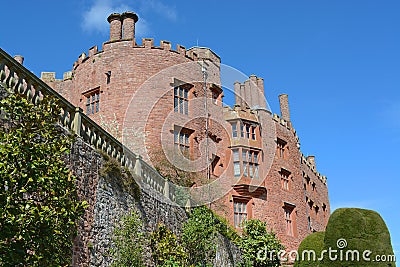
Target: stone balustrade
19, 79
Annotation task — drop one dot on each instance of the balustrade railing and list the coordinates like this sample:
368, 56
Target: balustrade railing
16, 77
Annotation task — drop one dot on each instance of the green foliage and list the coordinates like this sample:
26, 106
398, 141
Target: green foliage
199, 234
39, 206
165, 248
256, 238
128, 240
122, 177
313, 242
225, 229
363, 230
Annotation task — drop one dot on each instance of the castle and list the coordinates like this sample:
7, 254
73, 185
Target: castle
166, 105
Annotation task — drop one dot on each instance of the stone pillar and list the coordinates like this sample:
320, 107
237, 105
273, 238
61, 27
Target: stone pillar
19, 59
115, 26
284, 104
128, 25
311, 159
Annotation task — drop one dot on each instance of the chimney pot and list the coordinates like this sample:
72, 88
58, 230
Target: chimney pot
128, 25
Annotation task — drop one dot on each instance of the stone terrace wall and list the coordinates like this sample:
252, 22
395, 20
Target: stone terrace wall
108, 202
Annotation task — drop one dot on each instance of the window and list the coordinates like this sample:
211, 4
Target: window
253, 133
215, 96
234, 129
250, 163
281, 146
214, 164
181, 141
236, 162
247, 131
288, 220
92, 101
285, 179
181, 101
240, 213
245, 163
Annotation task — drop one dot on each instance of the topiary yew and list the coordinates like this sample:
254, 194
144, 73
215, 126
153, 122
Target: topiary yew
359, 237
310, 250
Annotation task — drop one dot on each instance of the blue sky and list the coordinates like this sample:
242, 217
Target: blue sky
339, 61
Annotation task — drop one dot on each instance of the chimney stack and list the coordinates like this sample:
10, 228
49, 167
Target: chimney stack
284, 104
260, 85
19, 59
115, 26
128, 25
238, 96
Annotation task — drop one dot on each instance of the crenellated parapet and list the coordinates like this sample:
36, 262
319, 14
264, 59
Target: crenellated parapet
147, 43
288, 125
310, 163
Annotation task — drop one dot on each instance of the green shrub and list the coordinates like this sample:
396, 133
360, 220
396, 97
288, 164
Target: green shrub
39, 205
352, 229
257, 243
198, 236
128, 242
113, 172
165, 249
314, 242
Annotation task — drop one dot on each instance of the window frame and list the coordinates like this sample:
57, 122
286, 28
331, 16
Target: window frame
236, 162
92, 104
181, 99
285, 179
288, 214
240, 212
234, 129
281, 146
182, 141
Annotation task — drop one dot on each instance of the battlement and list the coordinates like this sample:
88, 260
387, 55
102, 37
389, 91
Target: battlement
310, 163
250, 93
51, 76
122, 34
147, 43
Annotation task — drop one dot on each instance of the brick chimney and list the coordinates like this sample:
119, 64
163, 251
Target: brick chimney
128, 25
284, 104
115, 26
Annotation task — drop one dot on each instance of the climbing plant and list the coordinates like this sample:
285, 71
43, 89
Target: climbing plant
39, 206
